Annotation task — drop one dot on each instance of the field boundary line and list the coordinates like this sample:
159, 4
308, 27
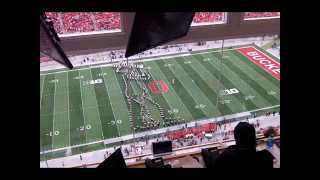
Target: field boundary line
54, 111
167, 57
42, 91
68, 108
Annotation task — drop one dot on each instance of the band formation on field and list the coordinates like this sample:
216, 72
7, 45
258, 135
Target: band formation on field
94, 104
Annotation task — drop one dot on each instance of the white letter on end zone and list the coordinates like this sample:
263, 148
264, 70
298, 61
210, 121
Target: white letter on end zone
276, 71
252, 53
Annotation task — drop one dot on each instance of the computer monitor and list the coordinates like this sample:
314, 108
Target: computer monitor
162, 147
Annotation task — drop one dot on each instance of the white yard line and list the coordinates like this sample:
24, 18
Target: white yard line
54, 111
68, 108
120, 91
194, 97
97, 105
87, 107
42, 91
84, 119
112, 108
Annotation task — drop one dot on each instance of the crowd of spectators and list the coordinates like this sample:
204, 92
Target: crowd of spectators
75, 22
208, 17
107, 20
54, 16
72, 22
194, 131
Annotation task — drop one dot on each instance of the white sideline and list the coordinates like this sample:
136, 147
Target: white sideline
103, 57
164, 57
95, 157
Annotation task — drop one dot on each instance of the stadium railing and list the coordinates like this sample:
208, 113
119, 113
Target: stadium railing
138, 161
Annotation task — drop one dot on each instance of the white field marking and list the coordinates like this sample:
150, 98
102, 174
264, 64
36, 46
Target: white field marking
54, 112
164, 129
216, 78
79, 145
191, 94
42, 91
146, 59
112, 108
275, 61
83, 34
272, 92
97, 105
120, 87
61, 112
249, 97
68, 108
270, 107
84, 118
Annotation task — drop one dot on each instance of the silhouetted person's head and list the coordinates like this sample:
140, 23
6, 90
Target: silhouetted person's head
245, 135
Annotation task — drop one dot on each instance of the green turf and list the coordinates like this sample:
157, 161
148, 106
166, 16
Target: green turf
77, 134
211, 86
172, 98
75, 112
92, 120
117, 101
105, 109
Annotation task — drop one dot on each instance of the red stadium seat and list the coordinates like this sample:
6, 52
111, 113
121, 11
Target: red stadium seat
75, 22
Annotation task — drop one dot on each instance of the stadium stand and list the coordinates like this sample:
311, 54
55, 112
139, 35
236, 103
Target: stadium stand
205, 17
54, 16
79, 22
107, 20
75, 22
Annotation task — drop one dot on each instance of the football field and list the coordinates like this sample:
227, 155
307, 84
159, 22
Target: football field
88, 105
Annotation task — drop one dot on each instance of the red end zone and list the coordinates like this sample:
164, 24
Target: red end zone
262, 60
